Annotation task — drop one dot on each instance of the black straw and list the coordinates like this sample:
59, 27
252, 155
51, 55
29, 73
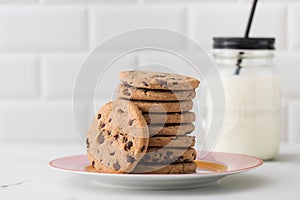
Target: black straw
238, 64
250, 19
239, 61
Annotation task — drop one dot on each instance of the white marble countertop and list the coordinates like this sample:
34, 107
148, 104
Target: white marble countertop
25, 174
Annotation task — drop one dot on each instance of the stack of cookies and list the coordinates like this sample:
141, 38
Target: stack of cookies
146, 130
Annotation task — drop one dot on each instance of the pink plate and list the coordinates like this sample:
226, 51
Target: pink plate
216, 166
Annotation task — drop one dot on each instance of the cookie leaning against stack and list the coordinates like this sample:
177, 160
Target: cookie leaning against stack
165, 100
118, 138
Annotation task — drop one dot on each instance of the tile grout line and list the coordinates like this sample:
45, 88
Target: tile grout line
287, 27
185, 20
88, 19
87, 28
39, 77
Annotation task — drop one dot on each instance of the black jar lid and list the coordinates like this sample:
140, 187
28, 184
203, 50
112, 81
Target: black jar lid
243, 43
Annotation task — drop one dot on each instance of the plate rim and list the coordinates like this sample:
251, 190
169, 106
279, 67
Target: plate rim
227, 172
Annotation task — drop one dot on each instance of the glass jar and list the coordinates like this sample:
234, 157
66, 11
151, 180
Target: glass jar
252, 91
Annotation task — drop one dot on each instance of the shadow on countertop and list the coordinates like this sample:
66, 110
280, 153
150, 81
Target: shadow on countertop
232, 184
292, 158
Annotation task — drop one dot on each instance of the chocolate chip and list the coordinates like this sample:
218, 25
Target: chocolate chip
128, 145
101, 139
116, 166
109, 120
102, 125
87, 143
124, 139
175, 83
121, 111
169, 153
130, 122
93, 164
99, 116
113, 153
145, 84
108, 132
160, 76
162, 83
130, 159
126, 92
116, 137
143, 148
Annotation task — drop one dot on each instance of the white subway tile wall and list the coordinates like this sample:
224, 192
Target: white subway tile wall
293, 120
205, 21
30, 121
19, 76
40, 28
87, 1
58, 74
44, 42
18, 1
107, 21
185, 1
288, 66
293, 26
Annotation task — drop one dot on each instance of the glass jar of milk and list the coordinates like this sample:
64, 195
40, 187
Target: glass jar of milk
252, 91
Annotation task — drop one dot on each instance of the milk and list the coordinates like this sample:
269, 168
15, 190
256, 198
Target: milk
252, 118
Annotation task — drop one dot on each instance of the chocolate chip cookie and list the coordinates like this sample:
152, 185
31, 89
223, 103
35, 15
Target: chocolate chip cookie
127, 92
170, 130
158, 80
156, 155
169, 118
172, 141
179, 168
163, 107
118, 138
